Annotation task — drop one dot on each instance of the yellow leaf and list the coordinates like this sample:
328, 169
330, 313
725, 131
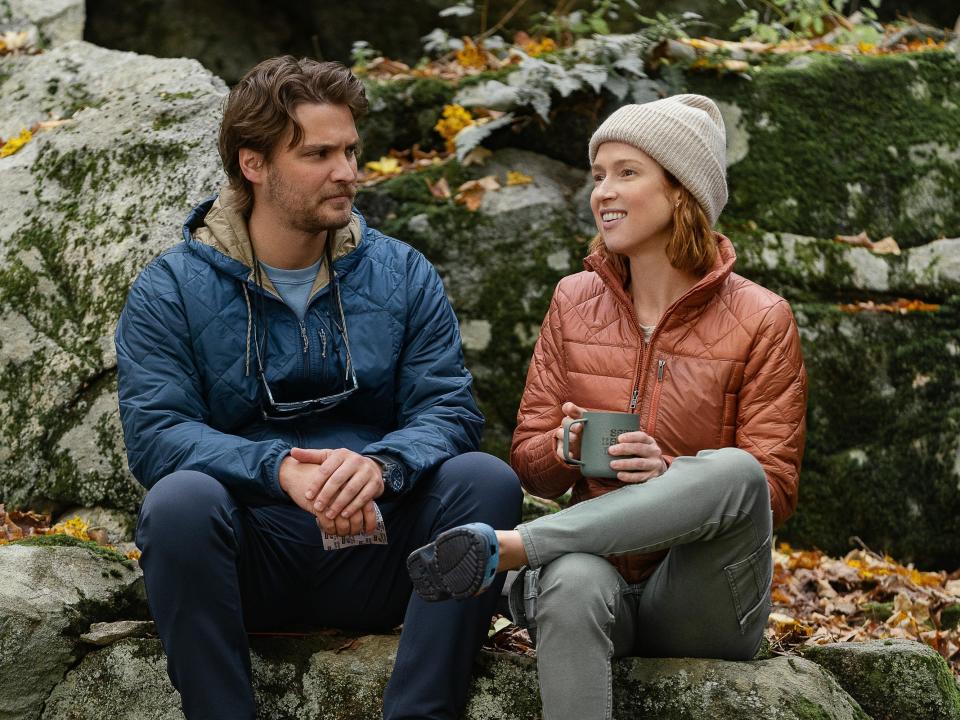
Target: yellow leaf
74, 527
14, 144
865, 47
385, 166
454, 119
515, 177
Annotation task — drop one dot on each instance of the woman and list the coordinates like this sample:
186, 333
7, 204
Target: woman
672, 558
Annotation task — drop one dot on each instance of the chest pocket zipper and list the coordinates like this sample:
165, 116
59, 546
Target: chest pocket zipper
655, 402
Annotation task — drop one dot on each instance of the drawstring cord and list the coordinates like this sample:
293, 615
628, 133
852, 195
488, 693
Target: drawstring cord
246, 296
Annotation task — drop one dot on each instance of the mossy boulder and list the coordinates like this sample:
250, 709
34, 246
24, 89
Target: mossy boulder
883, 433
86, 205
51, 589
893, 679
829, 144
56, 21
344, 677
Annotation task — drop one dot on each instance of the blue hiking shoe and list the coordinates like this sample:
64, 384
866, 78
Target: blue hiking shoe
460, 563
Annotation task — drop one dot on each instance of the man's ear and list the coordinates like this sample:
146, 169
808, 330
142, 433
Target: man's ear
252, 165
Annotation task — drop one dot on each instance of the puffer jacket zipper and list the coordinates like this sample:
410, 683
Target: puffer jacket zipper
655, 402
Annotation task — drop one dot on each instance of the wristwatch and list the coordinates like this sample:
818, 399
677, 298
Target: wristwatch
391, 470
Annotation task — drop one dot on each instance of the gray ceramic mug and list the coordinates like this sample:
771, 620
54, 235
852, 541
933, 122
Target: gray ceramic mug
600, 431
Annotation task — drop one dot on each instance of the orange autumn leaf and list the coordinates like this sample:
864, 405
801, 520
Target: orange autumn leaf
471, 193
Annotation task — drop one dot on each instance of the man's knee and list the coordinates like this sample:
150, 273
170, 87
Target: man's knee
483, 475
577, 588
182, 507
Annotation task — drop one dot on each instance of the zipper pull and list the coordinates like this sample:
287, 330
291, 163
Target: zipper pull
323, 343
306, 340
634, 398
661, 364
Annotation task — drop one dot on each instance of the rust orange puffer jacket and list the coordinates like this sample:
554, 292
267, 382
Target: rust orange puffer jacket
723, 368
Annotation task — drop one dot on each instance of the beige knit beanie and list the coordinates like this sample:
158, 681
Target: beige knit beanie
685, 134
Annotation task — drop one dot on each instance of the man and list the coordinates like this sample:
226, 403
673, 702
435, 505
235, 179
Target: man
271, 405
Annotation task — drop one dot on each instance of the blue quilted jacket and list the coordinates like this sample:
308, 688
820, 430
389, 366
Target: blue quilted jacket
187, 374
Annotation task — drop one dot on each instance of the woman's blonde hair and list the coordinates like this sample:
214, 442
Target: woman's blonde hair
692, 246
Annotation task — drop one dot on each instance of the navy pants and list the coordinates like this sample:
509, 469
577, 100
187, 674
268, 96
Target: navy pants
215, 568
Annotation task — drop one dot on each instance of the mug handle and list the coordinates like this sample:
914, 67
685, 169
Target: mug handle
566, 441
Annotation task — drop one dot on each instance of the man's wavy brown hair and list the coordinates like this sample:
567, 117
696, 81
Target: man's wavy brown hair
692, 247
260, 107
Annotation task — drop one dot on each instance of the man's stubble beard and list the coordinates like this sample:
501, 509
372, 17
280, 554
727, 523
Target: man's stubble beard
300, 213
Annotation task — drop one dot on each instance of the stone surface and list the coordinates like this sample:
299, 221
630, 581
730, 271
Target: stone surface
48, 596
800, 265
86, 206
861, 161
778, 689
893, 679
106, 633
57, 21
343, 678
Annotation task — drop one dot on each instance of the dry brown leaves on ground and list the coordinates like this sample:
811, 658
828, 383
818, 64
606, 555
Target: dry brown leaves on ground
819, 599
17, 525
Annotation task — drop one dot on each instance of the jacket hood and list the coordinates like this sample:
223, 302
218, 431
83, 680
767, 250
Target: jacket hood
217, 231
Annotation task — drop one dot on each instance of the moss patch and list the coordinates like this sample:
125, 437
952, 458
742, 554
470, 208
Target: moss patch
55, 541
883, 430
846, 144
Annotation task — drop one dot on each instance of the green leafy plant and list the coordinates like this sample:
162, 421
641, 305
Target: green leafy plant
774, 20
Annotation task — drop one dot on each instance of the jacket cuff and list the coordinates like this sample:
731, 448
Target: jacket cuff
548, 475
274, 489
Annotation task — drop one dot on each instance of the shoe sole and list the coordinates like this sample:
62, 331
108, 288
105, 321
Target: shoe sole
451, 567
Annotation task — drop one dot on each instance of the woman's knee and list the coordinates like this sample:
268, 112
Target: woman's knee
737, 467
576, 588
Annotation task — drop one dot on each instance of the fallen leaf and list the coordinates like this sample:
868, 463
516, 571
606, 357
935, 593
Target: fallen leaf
384, 166
515, 177
440, 189
471, 192
886, 246
15, 143
499, 624
477, 156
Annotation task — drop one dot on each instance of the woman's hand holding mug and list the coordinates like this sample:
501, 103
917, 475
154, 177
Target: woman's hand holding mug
647, 461
571, 412
635, 455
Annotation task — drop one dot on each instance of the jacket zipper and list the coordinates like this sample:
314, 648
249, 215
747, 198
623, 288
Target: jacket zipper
306, 350
655, 402
323, 342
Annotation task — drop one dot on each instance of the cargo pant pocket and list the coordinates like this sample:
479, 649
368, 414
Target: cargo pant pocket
523, 600
749, 580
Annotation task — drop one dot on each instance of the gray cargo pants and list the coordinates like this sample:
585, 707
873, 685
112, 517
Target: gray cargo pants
710, 596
